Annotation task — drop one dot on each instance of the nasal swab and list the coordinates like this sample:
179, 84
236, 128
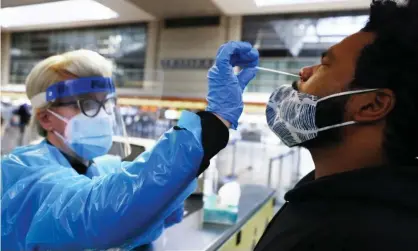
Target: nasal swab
276, 71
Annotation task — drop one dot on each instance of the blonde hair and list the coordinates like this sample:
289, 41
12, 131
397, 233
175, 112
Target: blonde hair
70, 65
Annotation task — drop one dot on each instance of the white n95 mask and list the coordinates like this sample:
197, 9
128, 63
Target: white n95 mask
291, 114
87, 137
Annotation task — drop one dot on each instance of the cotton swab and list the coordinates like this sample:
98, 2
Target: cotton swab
277, 71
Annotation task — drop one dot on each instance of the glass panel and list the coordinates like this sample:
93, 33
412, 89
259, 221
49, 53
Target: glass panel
292, 42
124, 45
296, 34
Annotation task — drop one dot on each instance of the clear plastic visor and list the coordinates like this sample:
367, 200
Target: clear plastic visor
98, 119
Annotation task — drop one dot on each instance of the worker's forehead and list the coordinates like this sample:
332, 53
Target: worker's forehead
96, 96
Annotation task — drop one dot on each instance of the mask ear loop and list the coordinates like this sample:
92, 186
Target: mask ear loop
58, 116
332, 126
294, 129
346, 93
337, 125
339, 95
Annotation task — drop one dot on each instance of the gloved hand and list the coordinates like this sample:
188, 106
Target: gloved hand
226, 88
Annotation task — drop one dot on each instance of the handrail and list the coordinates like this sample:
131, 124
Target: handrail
271, 160
292, 152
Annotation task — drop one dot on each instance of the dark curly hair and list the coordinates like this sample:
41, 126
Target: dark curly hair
391, 61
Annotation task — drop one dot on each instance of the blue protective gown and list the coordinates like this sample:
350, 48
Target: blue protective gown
47, 205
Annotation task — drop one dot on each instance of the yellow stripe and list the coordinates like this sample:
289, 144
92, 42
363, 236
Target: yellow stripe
178, 104
162, 103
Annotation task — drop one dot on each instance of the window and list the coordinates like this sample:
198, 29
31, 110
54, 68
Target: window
292, 41
124, 45
267, 82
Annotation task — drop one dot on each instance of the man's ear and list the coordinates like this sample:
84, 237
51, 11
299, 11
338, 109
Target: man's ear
44, 119
371, 106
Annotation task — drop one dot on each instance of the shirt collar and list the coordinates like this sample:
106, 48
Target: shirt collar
76, 164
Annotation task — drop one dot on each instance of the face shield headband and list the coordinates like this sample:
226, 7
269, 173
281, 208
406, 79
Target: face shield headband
71, 88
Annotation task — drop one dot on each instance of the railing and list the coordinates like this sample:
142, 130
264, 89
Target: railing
227, 157
295, 154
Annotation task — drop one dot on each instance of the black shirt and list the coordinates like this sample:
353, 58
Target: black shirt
79, 166
367, 209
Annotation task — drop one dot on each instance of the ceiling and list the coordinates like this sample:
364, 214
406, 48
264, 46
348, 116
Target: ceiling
248, 7
14, 3
146, 10
128, 12
178, 8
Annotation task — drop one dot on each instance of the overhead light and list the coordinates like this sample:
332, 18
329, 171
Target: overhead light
55, 12
262, 3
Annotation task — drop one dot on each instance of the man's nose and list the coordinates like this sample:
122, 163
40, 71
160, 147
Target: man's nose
306, 72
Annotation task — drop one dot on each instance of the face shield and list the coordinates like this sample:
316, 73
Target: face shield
97, 128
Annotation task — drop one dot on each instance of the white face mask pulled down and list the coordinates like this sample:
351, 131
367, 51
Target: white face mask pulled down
291, 114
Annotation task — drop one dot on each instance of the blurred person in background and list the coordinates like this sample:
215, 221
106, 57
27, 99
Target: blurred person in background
357, 113
69, 193
23, 112
15, 117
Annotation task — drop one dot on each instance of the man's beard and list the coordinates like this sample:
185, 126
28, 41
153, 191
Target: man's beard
329, 112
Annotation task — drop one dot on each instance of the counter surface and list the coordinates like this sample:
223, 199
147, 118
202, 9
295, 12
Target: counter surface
191, 234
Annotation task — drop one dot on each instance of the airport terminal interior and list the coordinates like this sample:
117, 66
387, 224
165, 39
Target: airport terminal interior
161, 51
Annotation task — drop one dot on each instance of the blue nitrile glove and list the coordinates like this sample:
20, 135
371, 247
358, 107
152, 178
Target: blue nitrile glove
225, 88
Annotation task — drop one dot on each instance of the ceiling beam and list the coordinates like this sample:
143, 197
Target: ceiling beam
14, 3
178, 8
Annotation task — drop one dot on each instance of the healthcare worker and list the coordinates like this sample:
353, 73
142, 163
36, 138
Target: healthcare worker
68, 193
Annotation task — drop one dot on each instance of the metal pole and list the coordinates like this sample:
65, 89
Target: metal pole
294, 172
279, 182
233, 159
269, 172
298, 163
252, 150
